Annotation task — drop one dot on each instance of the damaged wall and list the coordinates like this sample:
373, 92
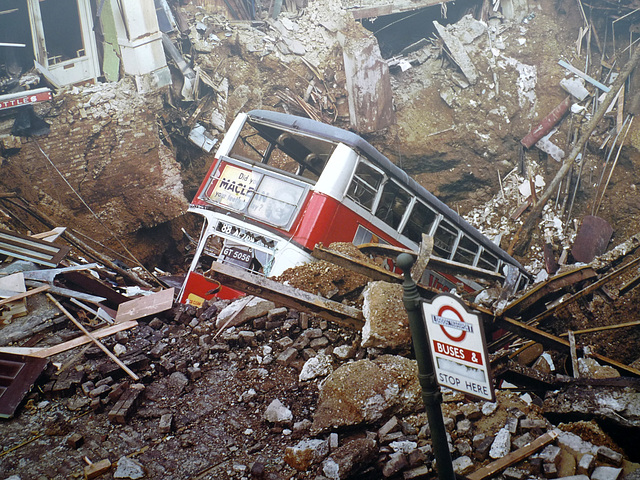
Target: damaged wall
104, 141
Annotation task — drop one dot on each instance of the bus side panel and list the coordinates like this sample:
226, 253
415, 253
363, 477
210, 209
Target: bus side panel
326, 220
198, 288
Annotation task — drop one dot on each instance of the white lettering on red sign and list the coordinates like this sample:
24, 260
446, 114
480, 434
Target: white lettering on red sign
27, 99
457, 352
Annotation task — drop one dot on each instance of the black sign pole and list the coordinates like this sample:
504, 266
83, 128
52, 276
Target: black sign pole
431, 395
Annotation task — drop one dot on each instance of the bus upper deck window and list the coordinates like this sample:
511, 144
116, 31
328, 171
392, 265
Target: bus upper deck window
420, 221
393, 204
365, 185
488, 261
275, 201
444, 239
466, 251
250, 146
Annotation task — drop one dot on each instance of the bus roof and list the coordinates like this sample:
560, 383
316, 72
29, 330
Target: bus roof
353, 140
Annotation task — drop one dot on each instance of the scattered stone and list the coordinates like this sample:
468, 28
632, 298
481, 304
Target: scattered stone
129, 468
513, 473
397, 462
288, 356
166, 423
550, 470
607, 455
306, 453
75, 440
317, 366
501, 444
586, 464
277, 413
364, 390
606, 473
242, 311
96, 469
463, 465
345, 459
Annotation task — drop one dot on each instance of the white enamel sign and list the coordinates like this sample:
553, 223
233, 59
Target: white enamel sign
458, 349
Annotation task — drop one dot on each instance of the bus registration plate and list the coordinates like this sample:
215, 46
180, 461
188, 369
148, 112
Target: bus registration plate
237, 256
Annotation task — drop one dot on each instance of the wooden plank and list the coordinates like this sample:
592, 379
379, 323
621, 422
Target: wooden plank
599, 329
551, 341
145, 305
544, 289
285, 295
88, 283
424, 255
367, 269
13, 285
368, 9
458, 53
513, 457
31, 249
368, 84
50, 274
574, 355
76, 342
51, 235
65, 292
583, 75
22, 295
94, 339
18, 373
586, 291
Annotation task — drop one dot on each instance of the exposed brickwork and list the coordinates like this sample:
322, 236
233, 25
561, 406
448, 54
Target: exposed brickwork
104, 141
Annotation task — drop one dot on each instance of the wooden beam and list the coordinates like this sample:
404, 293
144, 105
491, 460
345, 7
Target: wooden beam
513, 457
587, 290
280, 294
367, 269
437, 264
544, 289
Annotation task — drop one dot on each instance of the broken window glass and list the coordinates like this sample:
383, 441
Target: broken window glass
393, 204
420, 221
466, 251
444, 239
364, 186
488, 261
275, 201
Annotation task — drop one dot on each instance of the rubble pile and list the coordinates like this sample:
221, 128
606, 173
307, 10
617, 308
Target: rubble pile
282, 395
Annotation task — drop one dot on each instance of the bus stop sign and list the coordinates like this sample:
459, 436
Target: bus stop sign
458, 349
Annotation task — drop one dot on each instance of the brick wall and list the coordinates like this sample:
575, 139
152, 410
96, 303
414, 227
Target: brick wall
104, 141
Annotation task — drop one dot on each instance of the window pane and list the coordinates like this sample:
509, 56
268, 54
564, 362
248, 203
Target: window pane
466, 251
420, 221
488, 261
275, 201
393, 204
444, 239
365, 185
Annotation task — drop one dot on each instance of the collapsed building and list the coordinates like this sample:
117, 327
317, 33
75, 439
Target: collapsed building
488, 102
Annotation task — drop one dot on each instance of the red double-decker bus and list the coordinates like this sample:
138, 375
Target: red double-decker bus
281, 184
